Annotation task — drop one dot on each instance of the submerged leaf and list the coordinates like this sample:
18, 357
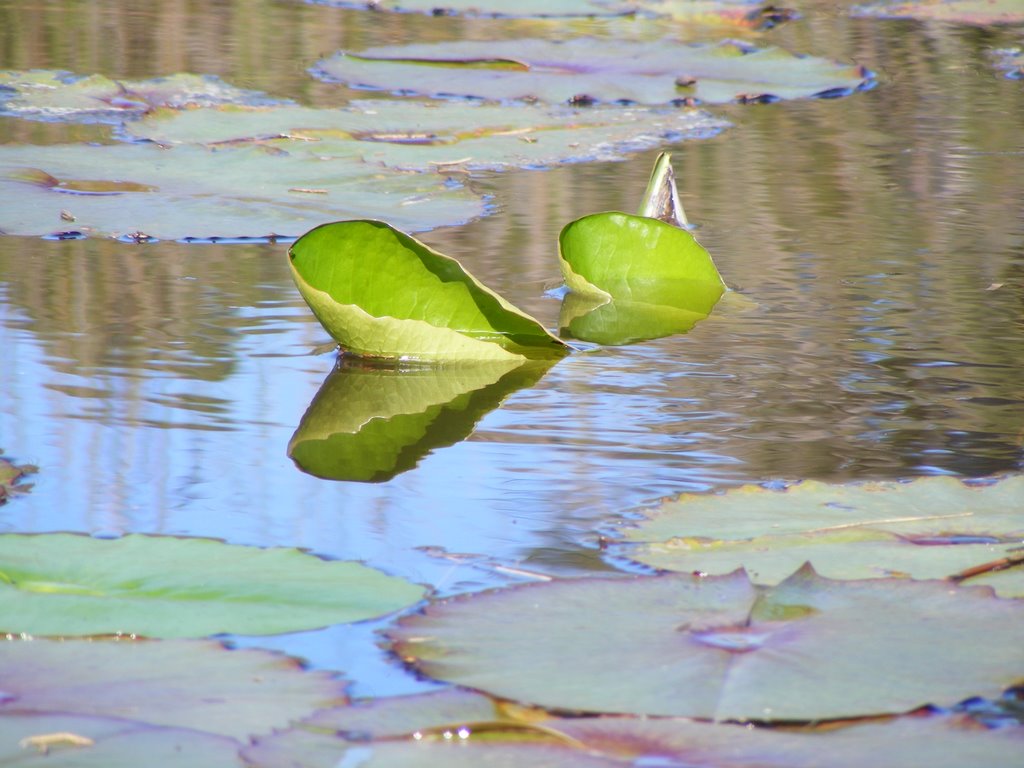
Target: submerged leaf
381, 293
720, 647
67, 584
929, 528
588, 70
191, 191
196, 685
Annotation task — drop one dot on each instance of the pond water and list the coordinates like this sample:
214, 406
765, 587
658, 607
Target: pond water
875, 242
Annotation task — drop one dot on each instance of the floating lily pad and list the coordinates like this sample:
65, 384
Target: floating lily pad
588, 70
57, 95
722, 648
982, 12
197, 685
65, 584
932, 527
28, 740
414, 135
381, 293
371, 423
438, 728
191, 191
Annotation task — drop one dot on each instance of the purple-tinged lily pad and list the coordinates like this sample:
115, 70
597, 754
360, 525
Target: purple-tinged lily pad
421, 136
982, 12
42, 94
144, 190
929, 528
722, 648
585, 71
197, 685
77, 741
63, 584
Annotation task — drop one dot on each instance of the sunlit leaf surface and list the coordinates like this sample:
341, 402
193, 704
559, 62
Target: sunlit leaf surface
928, 528
370, 423
453, 725
197, 685
722, 648
55, 95
588, 70
417, 135
192, 191
381, 293
963, 11
66, 584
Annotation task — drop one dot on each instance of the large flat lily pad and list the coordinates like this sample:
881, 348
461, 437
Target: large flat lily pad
929, 528
722, 648
192, 191
588, 70
65, 584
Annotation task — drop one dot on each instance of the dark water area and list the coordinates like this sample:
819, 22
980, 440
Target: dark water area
875, 244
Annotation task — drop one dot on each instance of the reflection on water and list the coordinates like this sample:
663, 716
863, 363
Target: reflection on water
877, 243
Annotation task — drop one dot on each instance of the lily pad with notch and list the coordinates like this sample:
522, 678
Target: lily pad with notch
383, 294
721, 647
928, 528
370, 422
592, 70
63, 584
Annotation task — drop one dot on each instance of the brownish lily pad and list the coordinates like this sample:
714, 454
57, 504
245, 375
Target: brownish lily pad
585, 71
190, 684
12, 478
721, 647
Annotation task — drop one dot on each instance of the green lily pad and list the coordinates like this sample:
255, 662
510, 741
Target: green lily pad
75, 741
932, 527
371, 423
191, 191
434, 729
42, 94
381, 293
196, 685
66, 584
720, 647
983, 12
421, 136
588, 70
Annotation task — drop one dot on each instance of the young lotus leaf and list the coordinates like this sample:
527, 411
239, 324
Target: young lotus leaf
28, 740
370, 423
721, 648
55, 95
381, 293
196, 685
66, 584
640, 259
419, 136
982, 12
189, 191
589, 70
932, 527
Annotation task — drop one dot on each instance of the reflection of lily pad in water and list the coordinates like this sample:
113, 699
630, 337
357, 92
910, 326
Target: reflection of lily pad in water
198, 685
622, 322
54, 95
369, 423
66, 584
719, 647
190, 191
430, 136
962, 11
930, 528
587, 70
